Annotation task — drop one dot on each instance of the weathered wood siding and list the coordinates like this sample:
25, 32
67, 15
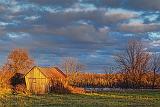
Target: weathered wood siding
36, 82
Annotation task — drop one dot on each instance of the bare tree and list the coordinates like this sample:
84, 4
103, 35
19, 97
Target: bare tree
155, 67
71, 67
134, 62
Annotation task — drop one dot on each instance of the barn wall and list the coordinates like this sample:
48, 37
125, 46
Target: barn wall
36, 82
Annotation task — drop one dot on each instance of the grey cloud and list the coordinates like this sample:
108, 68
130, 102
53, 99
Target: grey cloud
144, 4
2, 8
71, 34
105, 3
98, 17
83, 33
153, 5
81, 37
60, 28
63, 3
138, 27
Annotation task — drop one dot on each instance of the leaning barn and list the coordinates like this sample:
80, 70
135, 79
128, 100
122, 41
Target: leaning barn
39, 80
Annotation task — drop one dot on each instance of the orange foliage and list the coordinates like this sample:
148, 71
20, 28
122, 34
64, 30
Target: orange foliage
114, 80
19, 61
5, 77
94, 80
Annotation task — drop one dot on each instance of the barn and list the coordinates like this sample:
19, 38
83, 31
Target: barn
39, 80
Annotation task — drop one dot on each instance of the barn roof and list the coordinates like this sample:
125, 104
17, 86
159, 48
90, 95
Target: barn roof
50, 72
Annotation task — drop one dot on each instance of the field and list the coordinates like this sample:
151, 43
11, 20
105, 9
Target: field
100, 99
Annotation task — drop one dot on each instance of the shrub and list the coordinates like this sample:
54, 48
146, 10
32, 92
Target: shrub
5, 86
21, 89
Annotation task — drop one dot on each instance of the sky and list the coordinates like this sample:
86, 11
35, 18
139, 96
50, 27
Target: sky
92, 31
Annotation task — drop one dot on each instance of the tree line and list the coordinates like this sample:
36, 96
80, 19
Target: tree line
139, 68
137, 62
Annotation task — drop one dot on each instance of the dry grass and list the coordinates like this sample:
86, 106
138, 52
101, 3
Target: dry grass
76, 90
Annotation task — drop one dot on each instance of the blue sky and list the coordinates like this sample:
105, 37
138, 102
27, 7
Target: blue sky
90, 30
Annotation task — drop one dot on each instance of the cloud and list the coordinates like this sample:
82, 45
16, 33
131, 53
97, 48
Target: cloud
2, 8
105, 3
31, 18
90, 30
154, 35
155, 43
138, 27
63, 3
17, 36
100, 17
84, 33
78, 34
129, 4
144, 4
60, 16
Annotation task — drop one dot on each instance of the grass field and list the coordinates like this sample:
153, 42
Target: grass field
100, 99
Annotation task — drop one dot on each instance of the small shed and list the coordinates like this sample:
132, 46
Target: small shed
39, 80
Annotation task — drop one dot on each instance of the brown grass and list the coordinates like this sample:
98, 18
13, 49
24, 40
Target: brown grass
75, 90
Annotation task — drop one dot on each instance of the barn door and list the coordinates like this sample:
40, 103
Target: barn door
41, 85
33, 86
37, 85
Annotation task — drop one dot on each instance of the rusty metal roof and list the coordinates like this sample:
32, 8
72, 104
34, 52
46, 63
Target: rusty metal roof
51, 72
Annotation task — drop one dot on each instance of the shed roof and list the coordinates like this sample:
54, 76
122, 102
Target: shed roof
50, 72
